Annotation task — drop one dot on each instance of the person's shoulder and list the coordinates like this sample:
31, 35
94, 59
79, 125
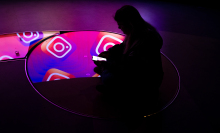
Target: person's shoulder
152, 38
151, 33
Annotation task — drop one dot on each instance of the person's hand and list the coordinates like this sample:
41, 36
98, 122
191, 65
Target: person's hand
100, 63
104, 54
98, 70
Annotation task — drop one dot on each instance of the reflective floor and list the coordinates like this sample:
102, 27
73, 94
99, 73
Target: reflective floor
191, 41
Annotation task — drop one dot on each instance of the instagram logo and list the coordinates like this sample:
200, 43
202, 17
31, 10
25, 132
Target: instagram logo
58, 47
56, 74
5, 57
29, 38
104, 42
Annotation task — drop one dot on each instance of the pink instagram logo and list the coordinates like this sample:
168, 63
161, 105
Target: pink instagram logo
29, 38
103, 42
56, 74
58, 47
106, 44
5, 57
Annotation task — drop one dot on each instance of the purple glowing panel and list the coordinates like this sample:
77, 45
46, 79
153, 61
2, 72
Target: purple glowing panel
29, 38
69, 55
17, 45
11, 47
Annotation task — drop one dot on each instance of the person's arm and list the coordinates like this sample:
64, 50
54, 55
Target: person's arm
114, 57
111, 55
104, 54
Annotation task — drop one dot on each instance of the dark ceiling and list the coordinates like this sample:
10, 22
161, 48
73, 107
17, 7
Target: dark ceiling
213, 4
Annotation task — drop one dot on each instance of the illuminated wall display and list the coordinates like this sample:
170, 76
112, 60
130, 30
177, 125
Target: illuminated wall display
53, 56
29, 38
17, 45
69, 55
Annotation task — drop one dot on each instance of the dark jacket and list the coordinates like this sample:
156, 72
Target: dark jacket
136, 75
143, 61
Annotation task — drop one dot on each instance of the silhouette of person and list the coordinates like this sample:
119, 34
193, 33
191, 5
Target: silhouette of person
133, 72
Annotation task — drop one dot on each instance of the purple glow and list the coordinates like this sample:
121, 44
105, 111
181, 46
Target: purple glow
17, 45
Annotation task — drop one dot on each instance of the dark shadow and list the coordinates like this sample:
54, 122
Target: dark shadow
133, 73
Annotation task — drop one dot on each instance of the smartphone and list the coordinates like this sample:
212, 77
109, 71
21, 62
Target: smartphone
96, 58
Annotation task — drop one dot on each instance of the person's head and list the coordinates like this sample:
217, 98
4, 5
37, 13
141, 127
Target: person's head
129, 19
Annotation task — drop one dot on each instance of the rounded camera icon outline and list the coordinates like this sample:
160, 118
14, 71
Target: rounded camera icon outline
61, 75
58, 43
5, 56
107, 44
69, 47
28, 36
37, 35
